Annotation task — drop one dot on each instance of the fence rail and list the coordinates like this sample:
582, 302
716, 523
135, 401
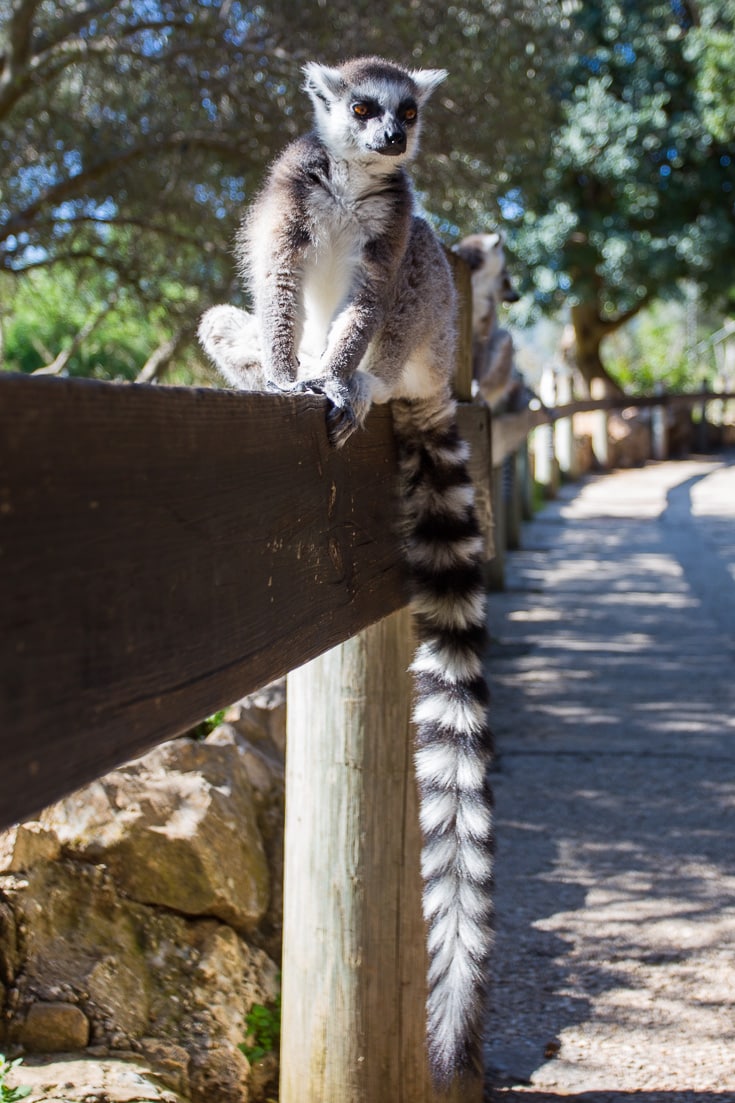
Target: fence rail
511, 430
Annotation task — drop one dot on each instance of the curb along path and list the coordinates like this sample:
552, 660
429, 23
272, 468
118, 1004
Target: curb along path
612, 669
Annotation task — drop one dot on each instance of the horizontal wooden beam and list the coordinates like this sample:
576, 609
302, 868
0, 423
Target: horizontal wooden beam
641, 402
165, 551
510, 430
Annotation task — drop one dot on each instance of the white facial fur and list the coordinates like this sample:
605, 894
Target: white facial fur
332, 94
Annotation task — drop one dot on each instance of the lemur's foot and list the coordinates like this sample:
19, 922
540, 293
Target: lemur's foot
281, 388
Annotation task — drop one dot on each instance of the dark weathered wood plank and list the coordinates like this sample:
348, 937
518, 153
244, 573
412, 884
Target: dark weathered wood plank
164, 552
463, 365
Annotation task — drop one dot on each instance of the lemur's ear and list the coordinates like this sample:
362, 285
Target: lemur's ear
494, 241
426, 80
322, 82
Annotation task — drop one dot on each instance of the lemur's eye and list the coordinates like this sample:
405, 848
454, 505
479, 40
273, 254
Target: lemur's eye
410, 114
361, 110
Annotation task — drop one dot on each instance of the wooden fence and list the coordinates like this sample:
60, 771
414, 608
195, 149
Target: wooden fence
165, 551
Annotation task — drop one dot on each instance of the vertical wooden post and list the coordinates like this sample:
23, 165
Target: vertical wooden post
463, 368
354, 958
545, 463
600, 435
495, 569
524, 467
512, 504
543, 439
565, 444
659, 429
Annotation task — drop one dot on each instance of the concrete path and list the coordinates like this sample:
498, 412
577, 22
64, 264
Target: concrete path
613, 673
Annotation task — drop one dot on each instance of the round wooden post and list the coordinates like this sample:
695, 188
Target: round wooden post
565, 444
495, 567
525, 481
600, 434
659, 428
512, 495
354, 959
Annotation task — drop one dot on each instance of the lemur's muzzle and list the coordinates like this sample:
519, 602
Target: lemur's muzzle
394, 142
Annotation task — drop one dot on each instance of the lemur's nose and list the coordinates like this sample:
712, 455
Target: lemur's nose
395, 136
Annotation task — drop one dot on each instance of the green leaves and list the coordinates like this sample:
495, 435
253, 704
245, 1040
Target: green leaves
264, 1030
638, 160
8, 1094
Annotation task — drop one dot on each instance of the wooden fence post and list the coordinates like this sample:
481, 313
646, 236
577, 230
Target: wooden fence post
354, 961
512, 504
525, 480
659, 428
565, 444
495, 566
545, 462
543, 441
600, 434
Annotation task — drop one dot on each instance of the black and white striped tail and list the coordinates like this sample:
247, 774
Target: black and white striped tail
453, 748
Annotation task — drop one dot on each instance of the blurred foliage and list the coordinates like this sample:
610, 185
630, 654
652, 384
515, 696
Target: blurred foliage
711, 49
654, 348
133, 131
640, 190
50, 307
160, 117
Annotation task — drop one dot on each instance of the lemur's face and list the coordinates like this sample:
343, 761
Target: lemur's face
382, 125
369, 108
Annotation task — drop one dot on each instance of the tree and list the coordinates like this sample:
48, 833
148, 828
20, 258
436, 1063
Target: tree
158, 116
85, 325
710, 47
639, 192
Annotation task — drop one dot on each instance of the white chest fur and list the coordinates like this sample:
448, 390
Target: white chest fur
346, 214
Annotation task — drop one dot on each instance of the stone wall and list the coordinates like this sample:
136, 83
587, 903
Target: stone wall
140, 920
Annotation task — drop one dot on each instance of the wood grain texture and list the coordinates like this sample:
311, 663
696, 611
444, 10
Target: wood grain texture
354, 957
473, 420
165, 551
463, 284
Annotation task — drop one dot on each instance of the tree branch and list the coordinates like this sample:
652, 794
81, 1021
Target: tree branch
613, 324
75, 186
64, 51
161, 358
58, 364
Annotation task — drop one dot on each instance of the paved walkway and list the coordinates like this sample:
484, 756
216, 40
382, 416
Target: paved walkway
613, 673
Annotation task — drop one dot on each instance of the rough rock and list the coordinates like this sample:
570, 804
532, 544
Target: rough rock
92, 1080
177, 828
123, 915
54, 1028
259, 722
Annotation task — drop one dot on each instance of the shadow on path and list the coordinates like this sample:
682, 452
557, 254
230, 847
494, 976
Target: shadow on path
507, 1095
614, 705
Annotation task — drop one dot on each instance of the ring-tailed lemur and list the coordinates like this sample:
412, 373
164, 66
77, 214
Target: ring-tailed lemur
492, 346
354, 300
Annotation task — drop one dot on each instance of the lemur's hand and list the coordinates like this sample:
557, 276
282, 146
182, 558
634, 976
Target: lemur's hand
341, 419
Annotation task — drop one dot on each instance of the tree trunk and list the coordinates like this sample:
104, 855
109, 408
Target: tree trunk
589, 331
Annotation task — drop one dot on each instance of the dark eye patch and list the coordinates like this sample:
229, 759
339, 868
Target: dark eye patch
365, 109
408, 111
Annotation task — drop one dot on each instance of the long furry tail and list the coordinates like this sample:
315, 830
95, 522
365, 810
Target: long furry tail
453, 746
